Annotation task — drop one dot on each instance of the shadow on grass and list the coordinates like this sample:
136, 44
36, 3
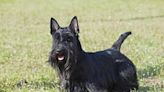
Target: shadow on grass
46, 84
150, 89
143, 18
55, 87
38, 85
2, 90
150, 71
144, 89
132, 18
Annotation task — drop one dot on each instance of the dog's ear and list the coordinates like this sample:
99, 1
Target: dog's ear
74, 26
54, 25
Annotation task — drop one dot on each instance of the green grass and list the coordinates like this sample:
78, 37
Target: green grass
25, 40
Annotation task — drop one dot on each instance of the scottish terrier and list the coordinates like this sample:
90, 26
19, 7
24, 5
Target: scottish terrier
79, 71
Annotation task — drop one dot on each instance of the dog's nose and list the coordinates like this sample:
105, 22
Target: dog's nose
60, 50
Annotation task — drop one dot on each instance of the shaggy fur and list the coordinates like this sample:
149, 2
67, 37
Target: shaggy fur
103, 71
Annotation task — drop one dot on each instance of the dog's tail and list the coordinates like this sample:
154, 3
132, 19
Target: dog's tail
118, 43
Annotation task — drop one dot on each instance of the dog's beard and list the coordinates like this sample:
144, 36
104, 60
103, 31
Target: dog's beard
64, 61
70, 61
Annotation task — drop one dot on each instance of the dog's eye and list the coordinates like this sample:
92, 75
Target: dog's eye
69, 39
57, 36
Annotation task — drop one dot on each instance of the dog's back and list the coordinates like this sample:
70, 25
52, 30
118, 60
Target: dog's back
103, 63
110, 67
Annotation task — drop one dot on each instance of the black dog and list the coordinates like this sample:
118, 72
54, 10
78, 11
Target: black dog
102, 71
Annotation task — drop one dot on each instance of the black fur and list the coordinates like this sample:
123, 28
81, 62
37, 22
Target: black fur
80, 71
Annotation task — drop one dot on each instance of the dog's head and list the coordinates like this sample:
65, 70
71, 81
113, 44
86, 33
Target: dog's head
65, 44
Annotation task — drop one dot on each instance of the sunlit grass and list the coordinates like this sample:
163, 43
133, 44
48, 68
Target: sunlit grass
25, 41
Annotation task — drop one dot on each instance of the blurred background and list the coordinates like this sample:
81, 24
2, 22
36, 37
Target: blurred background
25, 39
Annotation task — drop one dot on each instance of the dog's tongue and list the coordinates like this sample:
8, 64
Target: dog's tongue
60, 57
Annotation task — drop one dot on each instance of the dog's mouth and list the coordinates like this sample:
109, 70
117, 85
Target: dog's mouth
60, 57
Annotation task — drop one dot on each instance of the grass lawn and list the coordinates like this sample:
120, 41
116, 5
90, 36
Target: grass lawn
25, 39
